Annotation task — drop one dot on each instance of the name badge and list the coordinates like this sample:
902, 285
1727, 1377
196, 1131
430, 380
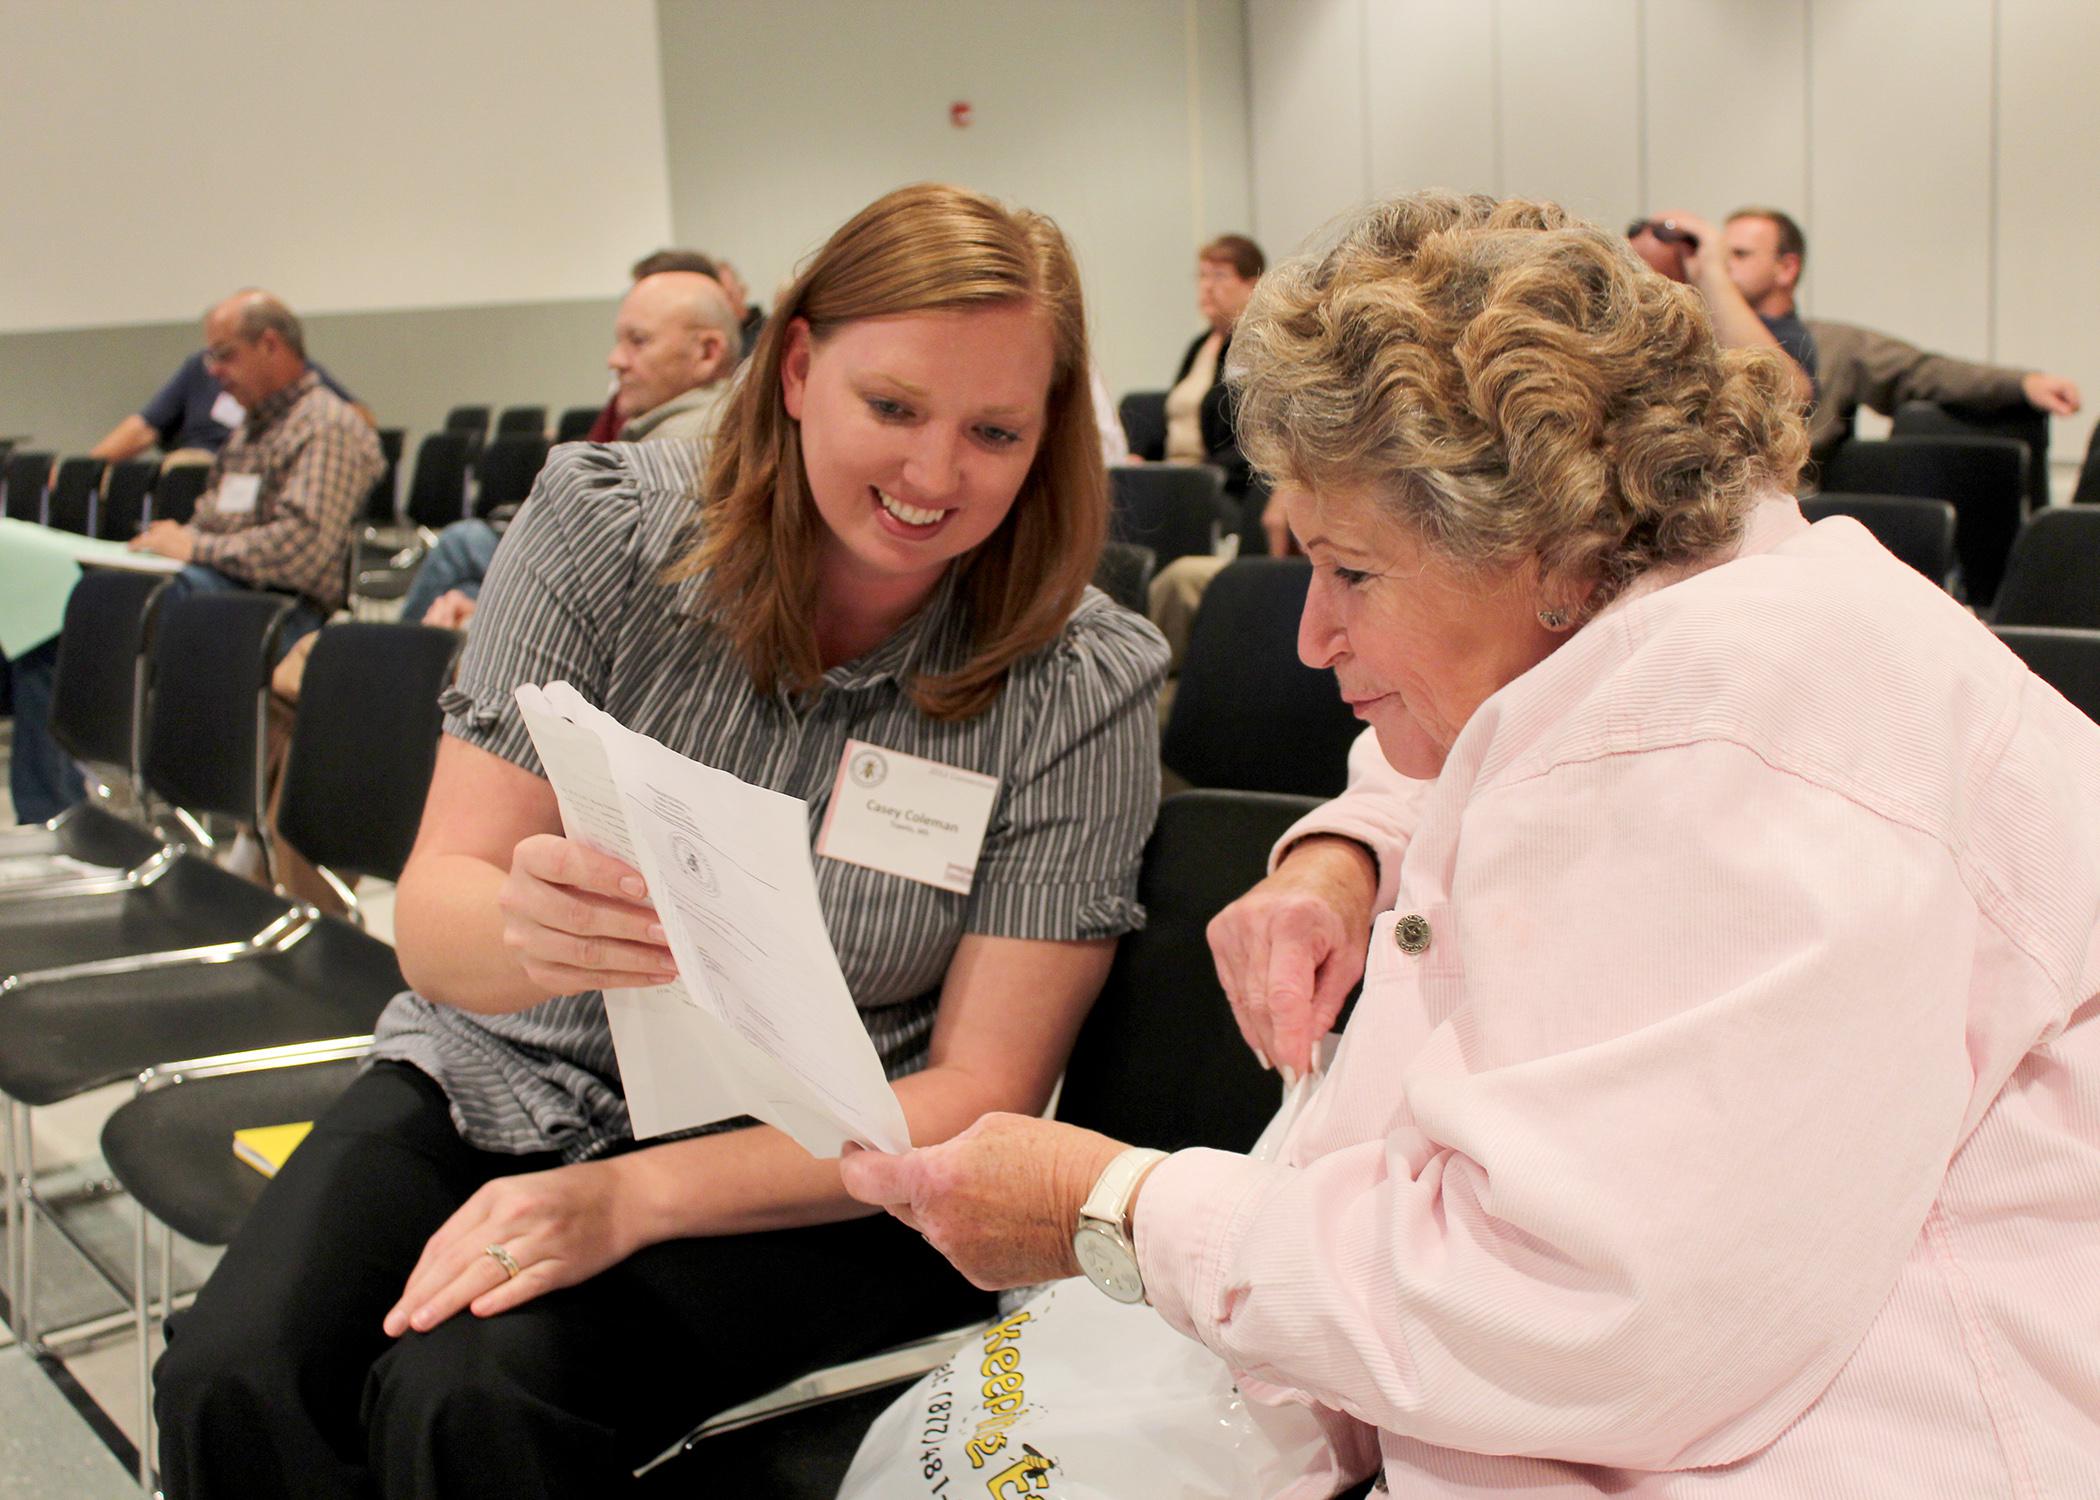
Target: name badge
907, 816
237, 494
227, 412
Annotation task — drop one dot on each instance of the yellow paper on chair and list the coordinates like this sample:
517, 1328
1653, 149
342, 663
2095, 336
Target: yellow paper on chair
268, 1147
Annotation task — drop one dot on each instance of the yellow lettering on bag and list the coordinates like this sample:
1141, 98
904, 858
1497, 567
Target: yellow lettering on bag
1003, 1385
1024, 1476
1001, 1360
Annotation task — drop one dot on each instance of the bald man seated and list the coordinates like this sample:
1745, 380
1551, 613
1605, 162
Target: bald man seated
676, 342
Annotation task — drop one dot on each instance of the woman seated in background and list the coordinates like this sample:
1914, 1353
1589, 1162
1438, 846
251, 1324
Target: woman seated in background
1721, 1113
468, 1280
1199, 415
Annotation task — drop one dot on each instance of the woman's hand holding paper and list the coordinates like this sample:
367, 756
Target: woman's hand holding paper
576, 920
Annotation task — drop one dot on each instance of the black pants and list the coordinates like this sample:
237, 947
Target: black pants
280, 1381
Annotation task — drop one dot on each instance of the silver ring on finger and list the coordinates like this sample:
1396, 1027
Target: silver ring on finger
503, 1258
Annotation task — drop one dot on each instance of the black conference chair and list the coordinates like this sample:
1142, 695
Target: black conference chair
1920, 532
2023, 424
383, 504
28, 477
576, 424
1144, 418
509, 465
97, 697
355, 781
472, 420
176, 492
1125, 573
437, 490
2068, 660
2088, 490
1159, 1062
71, 504
531, 420
1177, 510
2053, 576
1247, 713
125, 498
1985, 479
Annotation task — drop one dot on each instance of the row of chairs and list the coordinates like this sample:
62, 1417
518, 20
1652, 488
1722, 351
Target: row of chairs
572, 426
156, 954
92, 498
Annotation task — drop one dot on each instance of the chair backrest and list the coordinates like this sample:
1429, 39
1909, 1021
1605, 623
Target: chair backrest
2068, 660
124, 499
364, 745
437, 490
528, 419
71, 504
473, 420
28, 476
1247, 713
576, 424
1984, 478
1919, 531
1144, 418
2053, 577
2023, 424
175, 492
1178, 510
1160, 1061
100, 687
211, 657
2088, 490
383, 503
1125, 573
509, 465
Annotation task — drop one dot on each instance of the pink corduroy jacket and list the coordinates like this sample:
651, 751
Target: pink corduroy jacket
1737, 1131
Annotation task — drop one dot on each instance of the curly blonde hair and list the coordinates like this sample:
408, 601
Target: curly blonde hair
1516, 386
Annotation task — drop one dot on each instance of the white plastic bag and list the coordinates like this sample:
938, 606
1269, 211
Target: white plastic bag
1073, 1396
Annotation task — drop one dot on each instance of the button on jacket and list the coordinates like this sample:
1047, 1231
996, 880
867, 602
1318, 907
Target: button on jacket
1738, 1133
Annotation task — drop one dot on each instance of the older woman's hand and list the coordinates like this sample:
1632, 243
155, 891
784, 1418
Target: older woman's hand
576, 920
1000, 1200
1290, 950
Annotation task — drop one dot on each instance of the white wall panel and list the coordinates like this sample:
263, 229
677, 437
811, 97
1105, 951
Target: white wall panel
1726, 92
2048, 227
1083, 110
1306, 115
1431, 95
1899, 188
390, 153
1570, 109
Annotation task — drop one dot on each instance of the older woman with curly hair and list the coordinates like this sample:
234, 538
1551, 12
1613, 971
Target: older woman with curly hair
1721, 1114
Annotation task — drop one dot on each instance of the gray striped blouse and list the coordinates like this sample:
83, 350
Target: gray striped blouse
575, 595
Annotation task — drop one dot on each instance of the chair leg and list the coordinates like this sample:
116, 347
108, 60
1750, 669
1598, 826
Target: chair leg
25, 1146
142, 1324
14, 1221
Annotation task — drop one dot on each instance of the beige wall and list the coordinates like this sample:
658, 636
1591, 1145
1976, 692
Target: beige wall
1125, 120
1940, 153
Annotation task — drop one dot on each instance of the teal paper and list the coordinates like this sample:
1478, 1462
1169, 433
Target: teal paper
38, 568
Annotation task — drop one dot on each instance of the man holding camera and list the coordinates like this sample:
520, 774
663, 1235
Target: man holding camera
1746, 271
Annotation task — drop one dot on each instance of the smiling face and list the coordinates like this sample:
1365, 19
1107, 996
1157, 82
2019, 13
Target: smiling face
917, 433
1416, 644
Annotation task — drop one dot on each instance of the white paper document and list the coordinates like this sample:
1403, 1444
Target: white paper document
759, 1021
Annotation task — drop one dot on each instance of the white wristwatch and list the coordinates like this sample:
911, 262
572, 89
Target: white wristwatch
1102, 1241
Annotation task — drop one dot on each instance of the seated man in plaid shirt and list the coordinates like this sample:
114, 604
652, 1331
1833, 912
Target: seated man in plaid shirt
276, 513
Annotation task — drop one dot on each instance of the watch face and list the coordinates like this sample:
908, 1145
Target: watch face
1108, 1263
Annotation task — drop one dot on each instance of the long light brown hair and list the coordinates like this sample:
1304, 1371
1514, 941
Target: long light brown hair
926, 248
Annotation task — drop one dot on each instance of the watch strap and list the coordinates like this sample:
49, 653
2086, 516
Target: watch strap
1109, 1202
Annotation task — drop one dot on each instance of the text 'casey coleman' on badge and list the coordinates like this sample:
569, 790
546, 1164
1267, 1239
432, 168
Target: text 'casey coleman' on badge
908, 816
